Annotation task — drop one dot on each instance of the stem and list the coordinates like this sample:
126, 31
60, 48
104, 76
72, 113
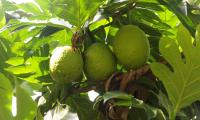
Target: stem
173, 115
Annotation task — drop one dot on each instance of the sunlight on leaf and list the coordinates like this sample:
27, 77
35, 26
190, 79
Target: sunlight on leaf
26, 107
116, 94
27, 71
182, 82
2, 17
75, 11
5, 98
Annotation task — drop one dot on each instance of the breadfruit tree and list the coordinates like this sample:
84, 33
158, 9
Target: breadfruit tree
99, 60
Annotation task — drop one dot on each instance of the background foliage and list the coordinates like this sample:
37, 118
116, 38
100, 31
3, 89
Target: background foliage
30, 31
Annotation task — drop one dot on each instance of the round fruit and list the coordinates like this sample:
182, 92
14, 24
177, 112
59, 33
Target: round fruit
131, 46
66, 65
99, 62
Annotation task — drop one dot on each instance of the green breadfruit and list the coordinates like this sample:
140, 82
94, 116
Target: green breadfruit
99, 62
66, 65
131, 46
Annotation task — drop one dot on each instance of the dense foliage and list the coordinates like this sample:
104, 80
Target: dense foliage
165, 87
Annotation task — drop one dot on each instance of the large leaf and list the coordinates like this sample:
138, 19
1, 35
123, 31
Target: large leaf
2, 17
175, 6
30, 7
182, 81
44, 6
4, 50
118, 95
36, 22
5, 98
29, 70
26, 107
129, 101
83, 106
75, 11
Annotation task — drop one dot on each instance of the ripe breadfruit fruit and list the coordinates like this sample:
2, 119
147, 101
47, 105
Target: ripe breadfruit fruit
99, 62
66, 65
131, 46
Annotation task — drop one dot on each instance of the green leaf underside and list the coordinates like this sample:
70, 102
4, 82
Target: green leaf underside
26, 107
83, 106
5, 98
116, 94
76, 11
126, 100
2, 17
181, 83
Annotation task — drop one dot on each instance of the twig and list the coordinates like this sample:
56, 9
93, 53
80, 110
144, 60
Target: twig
75, 39
133, 75
107, 83
125, 78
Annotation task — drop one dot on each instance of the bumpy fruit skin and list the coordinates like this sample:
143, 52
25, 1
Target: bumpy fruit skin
66, 65
131, 46
99, 62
